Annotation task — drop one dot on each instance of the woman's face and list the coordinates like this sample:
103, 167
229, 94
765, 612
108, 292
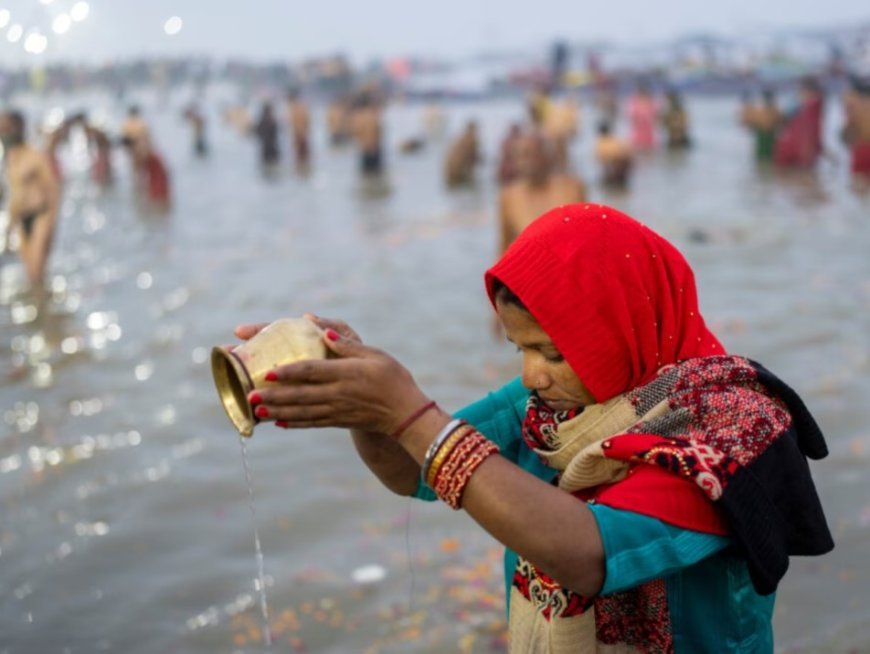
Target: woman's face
544, 368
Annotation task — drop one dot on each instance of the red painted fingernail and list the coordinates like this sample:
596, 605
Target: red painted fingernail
262, 412
282, 424
332, 335
255, 399
271, 376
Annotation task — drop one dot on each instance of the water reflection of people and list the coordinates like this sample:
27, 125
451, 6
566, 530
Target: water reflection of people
462, 158
633, 469
856, 130
799, 142
266, 132
34, 195
539, 188
764, 121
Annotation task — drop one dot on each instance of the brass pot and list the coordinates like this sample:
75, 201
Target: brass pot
239, 370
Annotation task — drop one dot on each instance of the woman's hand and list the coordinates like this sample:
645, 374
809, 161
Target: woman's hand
360, 388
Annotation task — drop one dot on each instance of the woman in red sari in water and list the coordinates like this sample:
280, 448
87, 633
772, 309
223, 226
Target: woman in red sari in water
800, 141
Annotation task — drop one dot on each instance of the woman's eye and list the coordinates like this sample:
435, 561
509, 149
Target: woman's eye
557, 358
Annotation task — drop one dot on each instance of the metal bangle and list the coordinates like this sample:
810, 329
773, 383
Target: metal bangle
448, 429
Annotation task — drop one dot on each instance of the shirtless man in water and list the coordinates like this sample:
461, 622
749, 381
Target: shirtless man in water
34, 195
537, 190
136, 136
462, 158
368, 134
299, 122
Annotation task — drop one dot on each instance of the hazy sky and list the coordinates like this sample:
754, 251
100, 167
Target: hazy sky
290, 29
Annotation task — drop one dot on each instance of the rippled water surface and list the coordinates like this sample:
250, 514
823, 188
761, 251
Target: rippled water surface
125, 524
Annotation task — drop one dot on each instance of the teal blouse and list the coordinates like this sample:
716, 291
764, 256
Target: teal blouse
713, 605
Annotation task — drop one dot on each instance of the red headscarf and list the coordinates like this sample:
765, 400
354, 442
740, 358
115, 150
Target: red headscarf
618, 300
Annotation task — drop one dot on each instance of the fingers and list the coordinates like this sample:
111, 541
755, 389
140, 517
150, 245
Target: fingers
321, 394
347, 348
248, 331
337, 325
314, 371
300, 416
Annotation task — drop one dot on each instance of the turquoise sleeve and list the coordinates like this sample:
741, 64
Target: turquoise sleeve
638, 548
497, 416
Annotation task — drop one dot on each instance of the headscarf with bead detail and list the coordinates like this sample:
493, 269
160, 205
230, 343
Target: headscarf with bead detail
617, 299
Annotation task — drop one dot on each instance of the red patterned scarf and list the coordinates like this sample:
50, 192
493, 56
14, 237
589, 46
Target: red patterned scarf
692, 427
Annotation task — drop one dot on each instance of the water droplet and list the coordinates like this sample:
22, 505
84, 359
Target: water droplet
144, 370
199, 355
69, 345
144, 280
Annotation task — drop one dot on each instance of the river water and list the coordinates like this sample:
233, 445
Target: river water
125, 524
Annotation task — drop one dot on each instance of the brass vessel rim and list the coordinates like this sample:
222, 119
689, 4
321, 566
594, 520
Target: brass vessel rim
237, 408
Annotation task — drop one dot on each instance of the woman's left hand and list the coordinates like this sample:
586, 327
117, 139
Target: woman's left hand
361, 388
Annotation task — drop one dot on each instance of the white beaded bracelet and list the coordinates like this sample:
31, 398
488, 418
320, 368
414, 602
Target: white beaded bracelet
448, 429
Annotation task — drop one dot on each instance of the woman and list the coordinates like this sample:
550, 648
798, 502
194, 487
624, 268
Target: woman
856, 131
764, 121
648, 487
799, 142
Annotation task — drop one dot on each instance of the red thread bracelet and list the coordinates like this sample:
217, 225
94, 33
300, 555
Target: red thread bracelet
412, 419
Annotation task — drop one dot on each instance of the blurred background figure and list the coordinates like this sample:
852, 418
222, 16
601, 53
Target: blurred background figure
538, 103
238, 117
462, 158
538, 186
799, 142
368, 134
299, 126
338, 120
643, 114
676, 121
100, 149
856, 131
764, 121
607, 100
266, 132
34, 195
560, 124
508, 164
149, 172
434, 122
196, 120
614, 157
55, 138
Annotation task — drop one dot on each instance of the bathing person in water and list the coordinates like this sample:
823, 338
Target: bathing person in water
34, 195
648, 487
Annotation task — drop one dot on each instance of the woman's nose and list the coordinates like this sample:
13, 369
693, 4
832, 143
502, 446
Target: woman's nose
534, 377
